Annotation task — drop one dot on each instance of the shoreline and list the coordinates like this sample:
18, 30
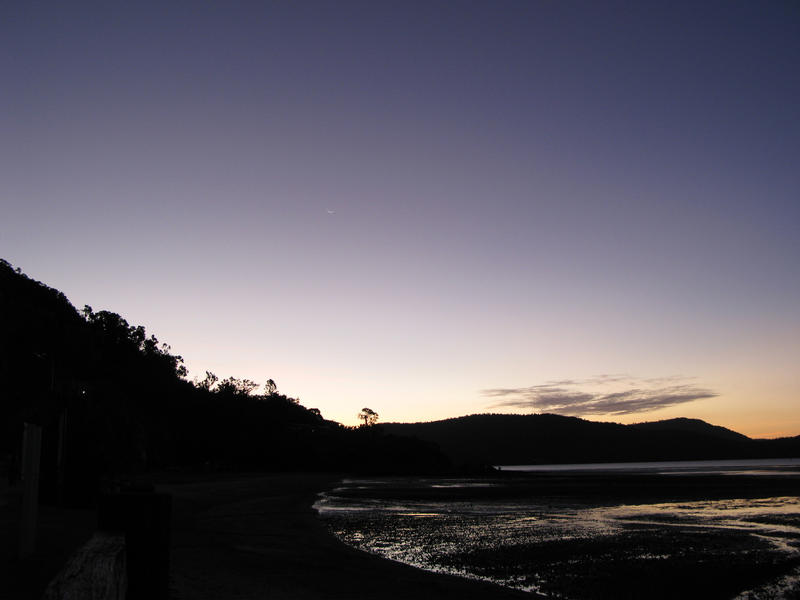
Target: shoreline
259, 536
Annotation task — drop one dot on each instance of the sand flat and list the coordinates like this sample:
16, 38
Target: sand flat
258, 537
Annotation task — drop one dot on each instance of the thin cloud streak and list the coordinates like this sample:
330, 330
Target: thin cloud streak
586, 397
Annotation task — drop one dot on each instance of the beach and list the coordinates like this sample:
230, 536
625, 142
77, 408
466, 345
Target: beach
259, 537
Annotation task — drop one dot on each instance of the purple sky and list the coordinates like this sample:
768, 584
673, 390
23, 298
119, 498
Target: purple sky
410, 206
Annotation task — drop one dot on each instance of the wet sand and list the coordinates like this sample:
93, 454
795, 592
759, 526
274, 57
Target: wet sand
258, 537
596, 535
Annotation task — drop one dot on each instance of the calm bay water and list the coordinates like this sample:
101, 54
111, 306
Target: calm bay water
529, 535
745, 466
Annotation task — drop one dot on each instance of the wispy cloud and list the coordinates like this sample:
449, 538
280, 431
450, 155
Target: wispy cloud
603, 394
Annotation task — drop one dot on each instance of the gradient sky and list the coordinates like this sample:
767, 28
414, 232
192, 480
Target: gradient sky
428, 208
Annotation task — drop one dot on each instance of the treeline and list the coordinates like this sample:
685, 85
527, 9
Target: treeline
112, 399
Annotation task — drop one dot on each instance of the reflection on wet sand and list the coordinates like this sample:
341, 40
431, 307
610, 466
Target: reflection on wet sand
567, 547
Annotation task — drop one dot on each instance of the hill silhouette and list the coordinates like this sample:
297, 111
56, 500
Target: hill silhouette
498, 439
117, 401
694, 426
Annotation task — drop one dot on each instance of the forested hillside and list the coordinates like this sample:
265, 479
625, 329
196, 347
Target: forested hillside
117, 400
499, 439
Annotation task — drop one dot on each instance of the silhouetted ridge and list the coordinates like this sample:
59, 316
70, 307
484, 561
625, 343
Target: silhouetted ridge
498, 439
691, 426
128, 408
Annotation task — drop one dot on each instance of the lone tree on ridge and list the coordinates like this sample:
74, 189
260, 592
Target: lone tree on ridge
369, 416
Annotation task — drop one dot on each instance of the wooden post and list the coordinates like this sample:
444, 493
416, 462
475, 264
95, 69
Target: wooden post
31, 455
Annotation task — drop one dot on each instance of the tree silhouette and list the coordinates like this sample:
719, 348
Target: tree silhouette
369, 416
233, 386
207, 383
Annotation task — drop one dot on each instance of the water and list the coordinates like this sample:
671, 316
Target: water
753, 466
533, 536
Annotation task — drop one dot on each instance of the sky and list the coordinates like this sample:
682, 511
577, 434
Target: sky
431, 208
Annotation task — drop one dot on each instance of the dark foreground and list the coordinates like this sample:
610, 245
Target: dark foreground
257, 537
239, 537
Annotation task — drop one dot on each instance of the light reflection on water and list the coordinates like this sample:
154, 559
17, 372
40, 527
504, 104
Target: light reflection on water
548, 547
